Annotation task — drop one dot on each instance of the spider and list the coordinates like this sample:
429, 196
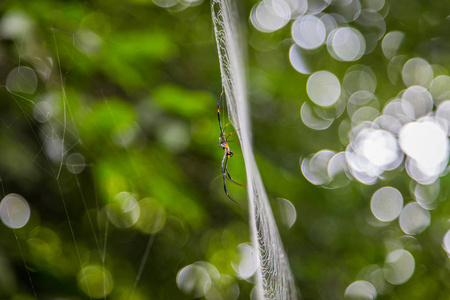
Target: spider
223, 143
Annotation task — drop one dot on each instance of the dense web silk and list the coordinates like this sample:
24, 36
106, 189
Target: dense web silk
274, 278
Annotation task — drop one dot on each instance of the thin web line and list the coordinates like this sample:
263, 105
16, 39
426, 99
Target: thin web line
91, 224
73, 237
151, 239
64, 99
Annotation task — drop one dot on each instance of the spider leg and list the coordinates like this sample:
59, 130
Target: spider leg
218, 115
231, 179
224, 163
231, 141
231, 134
224, 171
221, 141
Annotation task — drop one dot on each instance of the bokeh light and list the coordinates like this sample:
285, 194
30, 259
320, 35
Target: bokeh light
311, 119
375, 275
152, 217
95, 281
194, 280
359, 290
270, 15
174, 136
443, 113
346, 44
298, 60
365, 114
124, 136
338, 171
416, 102
308, 32
386, 204
124, 210
88, 42
317, 6
414, 219
426, 142
54, 148
14, 211
287, 211
315, 167
165, 3
177, 5
75, 163
22, 80
446, 242
372, 152
16, 25
323, 88
379, 138
407, 133
360, 78
202, 279
361, 99
417, 71
43, 111
348, 9
391, 43
223, 287
44, 245
440, 88
298, 7
426, 195
399, 266
246, 264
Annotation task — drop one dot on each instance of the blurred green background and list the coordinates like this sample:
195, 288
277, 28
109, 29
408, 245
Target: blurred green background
109, 131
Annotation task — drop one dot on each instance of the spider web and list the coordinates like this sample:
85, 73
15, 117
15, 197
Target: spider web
274, 279
42, 137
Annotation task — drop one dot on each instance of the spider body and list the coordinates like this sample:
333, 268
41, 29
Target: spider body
223, 143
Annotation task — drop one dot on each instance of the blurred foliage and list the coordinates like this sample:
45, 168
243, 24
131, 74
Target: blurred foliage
133, 88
